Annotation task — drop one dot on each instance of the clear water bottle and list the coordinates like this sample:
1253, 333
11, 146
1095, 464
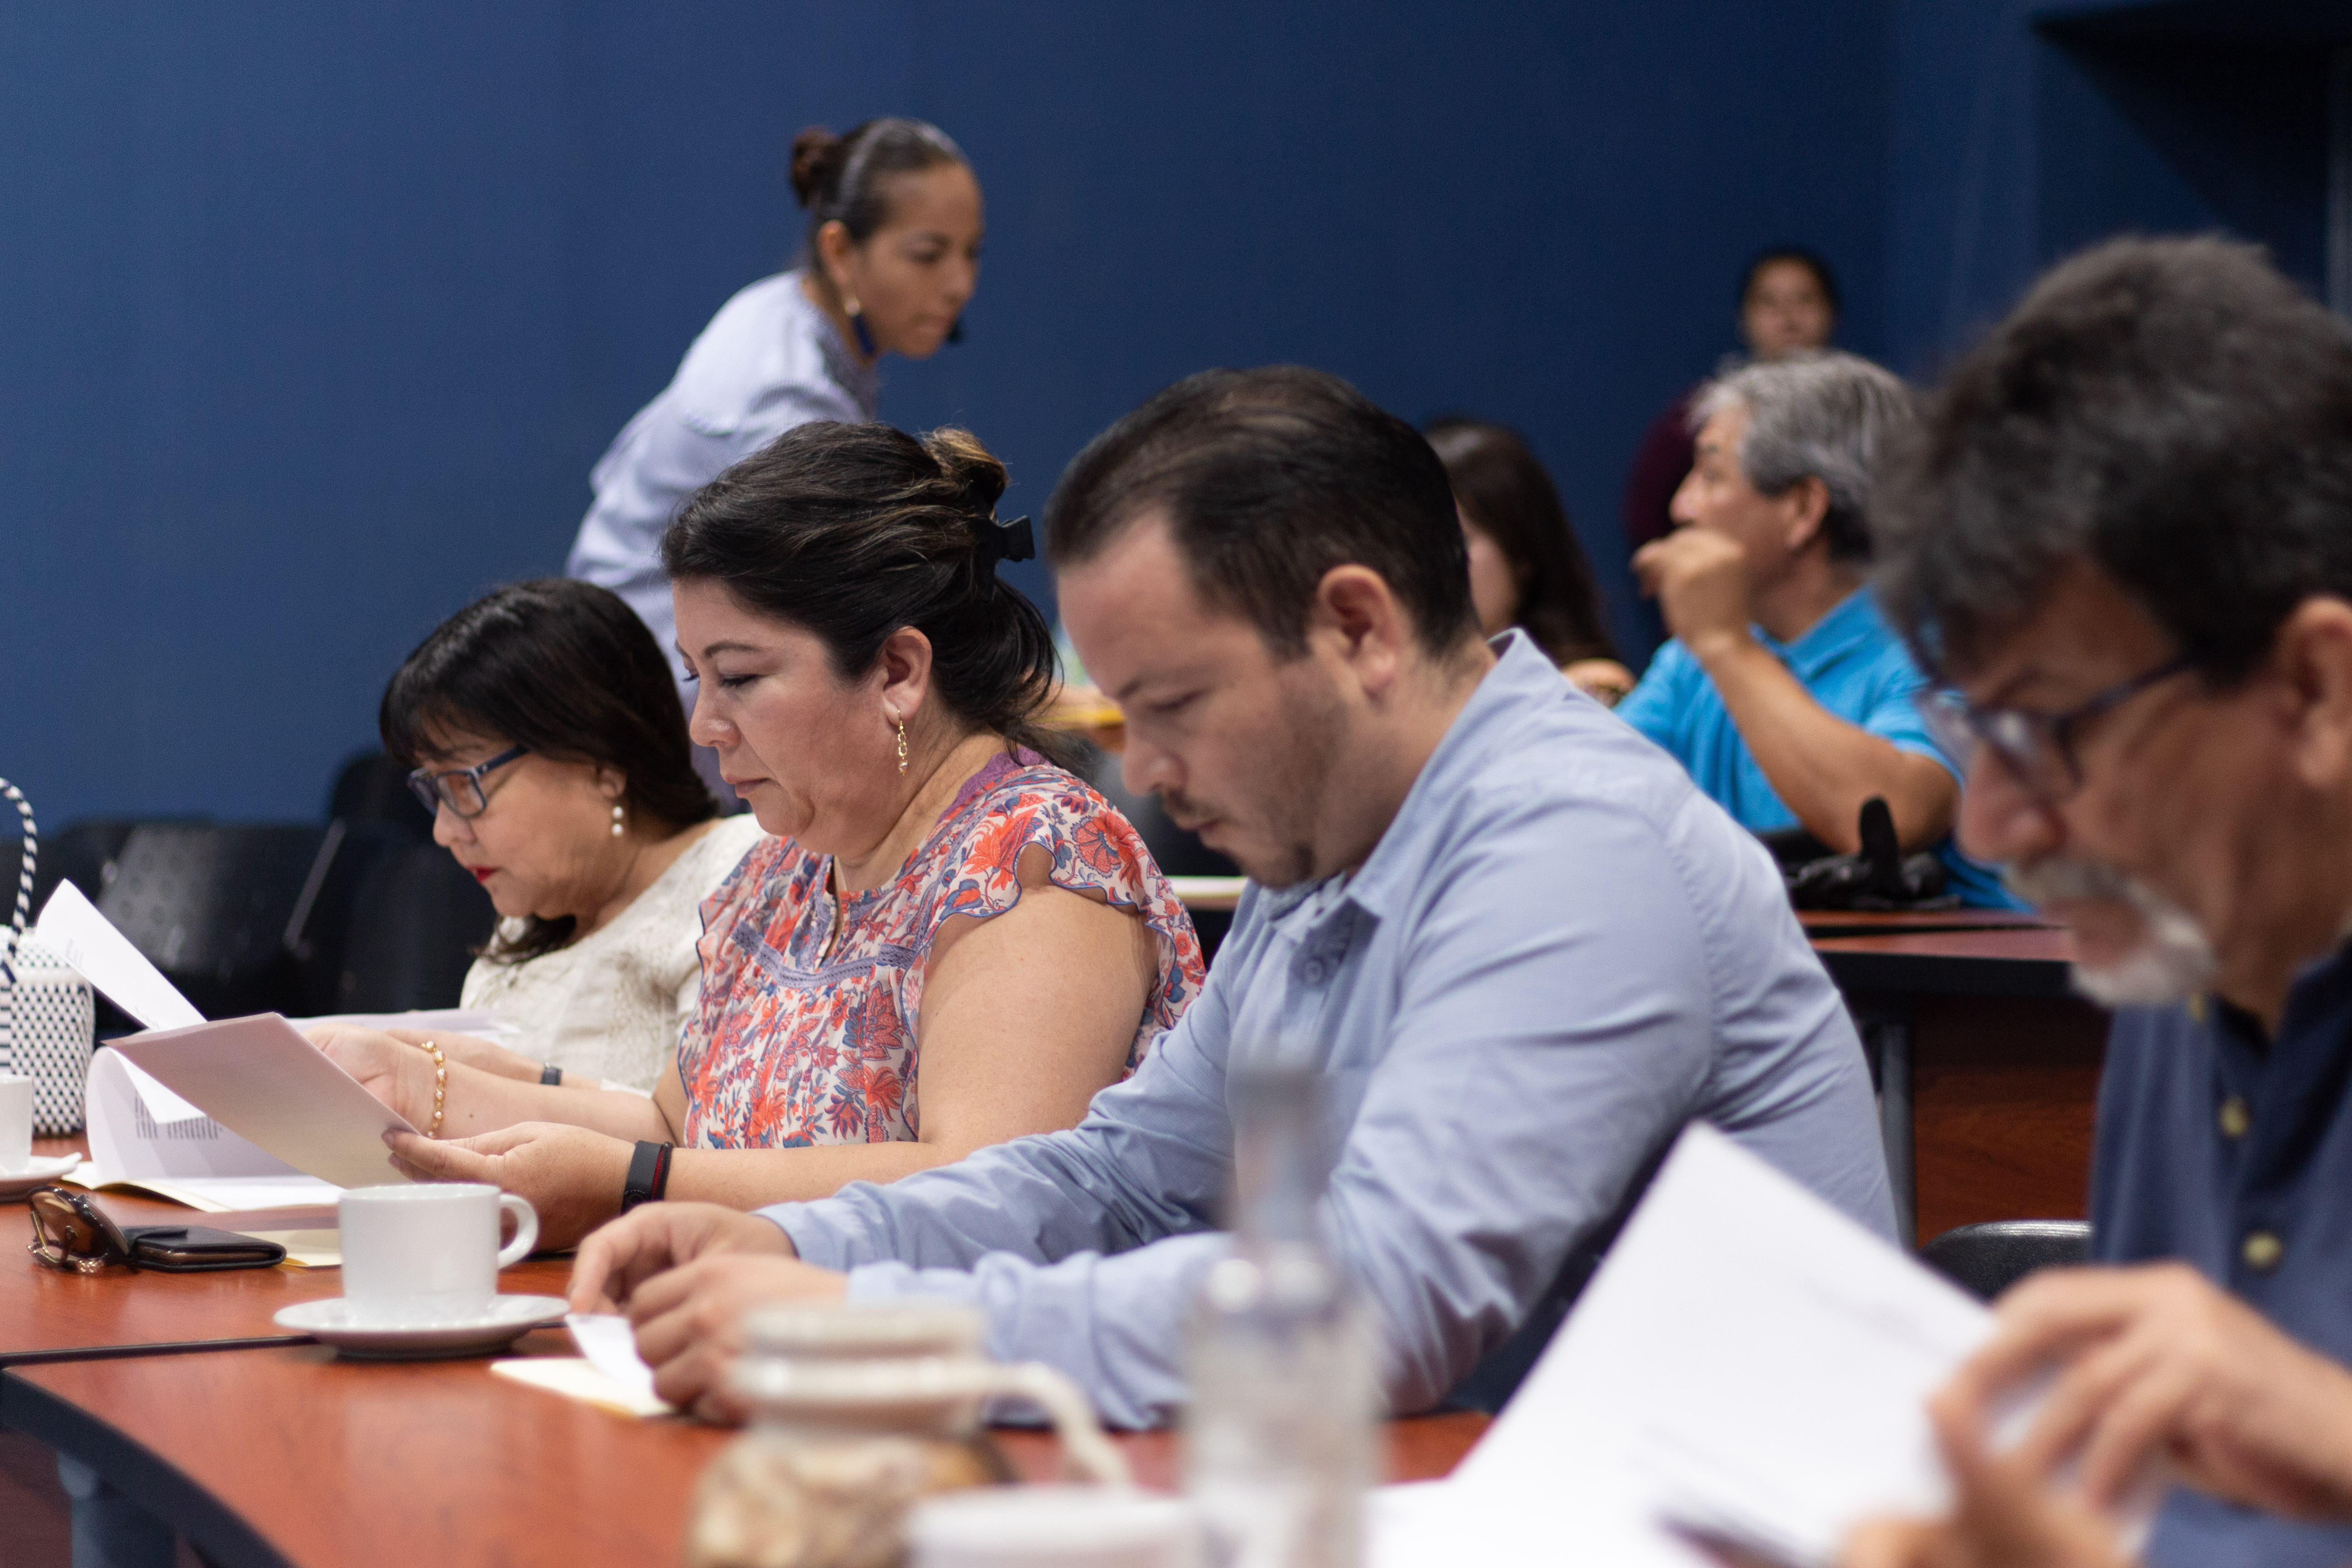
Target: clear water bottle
1278, 1437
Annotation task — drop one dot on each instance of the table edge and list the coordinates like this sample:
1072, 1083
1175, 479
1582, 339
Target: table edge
224, 1536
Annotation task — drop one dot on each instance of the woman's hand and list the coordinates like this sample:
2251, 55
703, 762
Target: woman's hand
395, 1071
573, 1176
476, 1053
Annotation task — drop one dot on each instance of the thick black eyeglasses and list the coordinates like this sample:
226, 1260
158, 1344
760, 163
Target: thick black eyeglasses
2038, 748
460, 789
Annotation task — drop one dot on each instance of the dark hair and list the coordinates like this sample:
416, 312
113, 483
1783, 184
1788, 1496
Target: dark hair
1773, 255
1501, 487
2172, 409
1271, 478
845, 178
567, 669
851, 531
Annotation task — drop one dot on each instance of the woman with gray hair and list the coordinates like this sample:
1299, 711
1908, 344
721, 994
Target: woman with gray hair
1783, 691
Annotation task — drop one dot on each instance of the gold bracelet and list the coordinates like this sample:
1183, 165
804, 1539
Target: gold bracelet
440, 1086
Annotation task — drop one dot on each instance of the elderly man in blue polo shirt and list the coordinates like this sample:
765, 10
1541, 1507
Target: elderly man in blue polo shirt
2127, 537
1517, 947
1784, 691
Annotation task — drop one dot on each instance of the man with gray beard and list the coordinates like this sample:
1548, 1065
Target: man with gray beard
2124, 537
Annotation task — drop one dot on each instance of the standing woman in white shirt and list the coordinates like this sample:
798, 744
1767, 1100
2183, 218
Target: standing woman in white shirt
891, 259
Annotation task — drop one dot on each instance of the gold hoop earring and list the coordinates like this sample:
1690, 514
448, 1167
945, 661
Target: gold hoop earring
902, 745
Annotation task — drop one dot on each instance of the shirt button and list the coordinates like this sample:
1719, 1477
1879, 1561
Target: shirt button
2234, 1118
2262, 1250
1316, 971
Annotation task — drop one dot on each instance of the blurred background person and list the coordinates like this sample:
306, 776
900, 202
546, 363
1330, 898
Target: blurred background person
548, 742
1788, 304
1526, 567
892, 257
1784, 691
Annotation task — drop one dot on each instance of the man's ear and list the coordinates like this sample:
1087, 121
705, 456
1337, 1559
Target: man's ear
2313, 653
1807, 504
1359, 613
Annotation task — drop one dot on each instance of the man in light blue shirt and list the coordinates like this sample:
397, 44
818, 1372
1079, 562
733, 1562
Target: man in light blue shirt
1784, 691
1521, 948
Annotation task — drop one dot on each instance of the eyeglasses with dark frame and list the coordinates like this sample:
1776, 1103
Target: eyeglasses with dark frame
2037, 747
71, 1233
460, 789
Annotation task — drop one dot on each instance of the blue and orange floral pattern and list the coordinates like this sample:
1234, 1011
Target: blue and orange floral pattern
791, 1045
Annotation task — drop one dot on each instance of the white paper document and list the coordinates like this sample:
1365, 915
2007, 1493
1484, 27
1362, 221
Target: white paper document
71, 927
1746, 1359
610, 1346
261, 1080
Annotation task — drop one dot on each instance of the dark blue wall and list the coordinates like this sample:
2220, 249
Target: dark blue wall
312, 320
2023, 130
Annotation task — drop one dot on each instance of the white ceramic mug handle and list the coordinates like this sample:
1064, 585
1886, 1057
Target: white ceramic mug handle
1085, 1449
525, 1229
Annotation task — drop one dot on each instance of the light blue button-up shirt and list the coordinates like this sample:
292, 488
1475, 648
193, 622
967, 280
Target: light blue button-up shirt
1852, 664
767, 362
1559, 953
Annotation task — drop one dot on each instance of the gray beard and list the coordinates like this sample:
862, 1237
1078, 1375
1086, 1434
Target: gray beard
2173, 960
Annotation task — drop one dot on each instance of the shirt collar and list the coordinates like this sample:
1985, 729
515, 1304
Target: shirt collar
862, 381
1522, 675
1853, 622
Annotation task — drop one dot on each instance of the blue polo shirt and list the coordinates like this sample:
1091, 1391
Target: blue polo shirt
2235, 1155
1852, 664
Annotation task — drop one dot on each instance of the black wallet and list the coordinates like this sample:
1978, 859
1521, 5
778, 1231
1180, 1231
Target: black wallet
192, 1249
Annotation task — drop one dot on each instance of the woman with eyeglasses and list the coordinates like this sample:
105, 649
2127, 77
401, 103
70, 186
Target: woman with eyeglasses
548, 742
951, 943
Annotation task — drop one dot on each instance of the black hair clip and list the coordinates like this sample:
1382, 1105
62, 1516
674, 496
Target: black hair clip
1015, 541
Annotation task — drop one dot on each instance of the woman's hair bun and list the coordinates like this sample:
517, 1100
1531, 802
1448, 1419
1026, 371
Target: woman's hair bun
817, 159
967, 466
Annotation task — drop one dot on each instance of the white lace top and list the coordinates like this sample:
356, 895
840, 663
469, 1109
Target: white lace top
609, 1006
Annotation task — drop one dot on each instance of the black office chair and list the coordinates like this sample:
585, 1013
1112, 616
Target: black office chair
319, 935
209, 903
82, 853
371, 787
415, 920
1986, 1259
1178, 851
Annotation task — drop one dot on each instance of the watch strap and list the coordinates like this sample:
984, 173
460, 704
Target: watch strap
550, 1074
647, 1173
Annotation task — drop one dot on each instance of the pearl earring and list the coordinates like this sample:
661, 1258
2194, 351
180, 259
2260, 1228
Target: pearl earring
617, 819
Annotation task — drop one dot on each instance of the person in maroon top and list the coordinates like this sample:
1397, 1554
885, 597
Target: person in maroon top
1787, 302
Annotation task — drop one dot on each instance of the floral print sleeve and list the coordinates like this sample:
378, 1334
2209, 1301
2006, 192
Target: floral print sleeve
796, 1042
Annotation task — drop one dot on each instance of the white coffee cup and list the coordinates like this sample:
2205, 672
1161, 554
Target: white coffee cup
16, 1123
427, 1254
1051, 1527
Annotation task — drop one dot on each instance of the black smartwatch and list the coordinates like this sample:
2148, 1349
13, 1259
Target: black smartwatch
648, 1176
550, 1074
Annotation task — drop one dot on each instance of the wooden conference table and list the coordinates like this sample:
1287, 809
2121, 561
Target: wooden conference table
278, 1453
1988, 1062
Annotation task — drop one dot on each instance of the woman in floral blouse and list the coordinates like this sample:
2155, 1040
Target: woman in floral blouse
950, 942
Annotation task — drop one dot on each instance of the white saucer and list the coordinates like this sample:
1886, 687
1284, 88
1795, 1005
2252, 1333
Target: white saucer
329, 1321
39, 1173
